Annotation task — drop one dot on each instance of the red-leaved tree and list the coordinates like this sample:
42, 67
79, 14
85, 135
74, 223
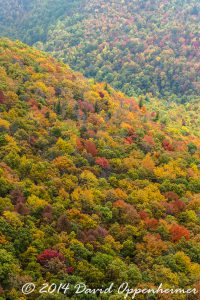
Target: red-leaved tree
102, 162
178, 231
48, 254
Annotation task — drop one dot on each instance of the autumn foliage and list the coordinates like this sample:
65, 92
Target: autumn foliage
93, 189
47, 255
178, 232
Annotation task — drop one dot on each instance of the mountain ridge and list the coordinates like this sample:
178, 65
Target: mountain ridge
122, 43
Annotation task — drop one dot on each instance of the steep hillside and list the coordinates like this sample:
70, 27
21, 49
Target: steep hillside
137, 46
93, 187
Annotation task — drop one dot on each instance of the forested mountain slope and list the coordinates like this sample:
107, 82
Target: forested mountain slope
93, 188
136, 46
30, 20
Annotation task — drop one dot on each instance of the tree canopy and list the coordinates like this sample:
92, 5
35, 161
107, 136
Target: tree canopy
94, 187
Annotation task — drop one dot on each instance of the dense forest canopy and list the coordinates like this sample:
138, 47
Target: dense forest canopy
94, 187
99, 176
137, 46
